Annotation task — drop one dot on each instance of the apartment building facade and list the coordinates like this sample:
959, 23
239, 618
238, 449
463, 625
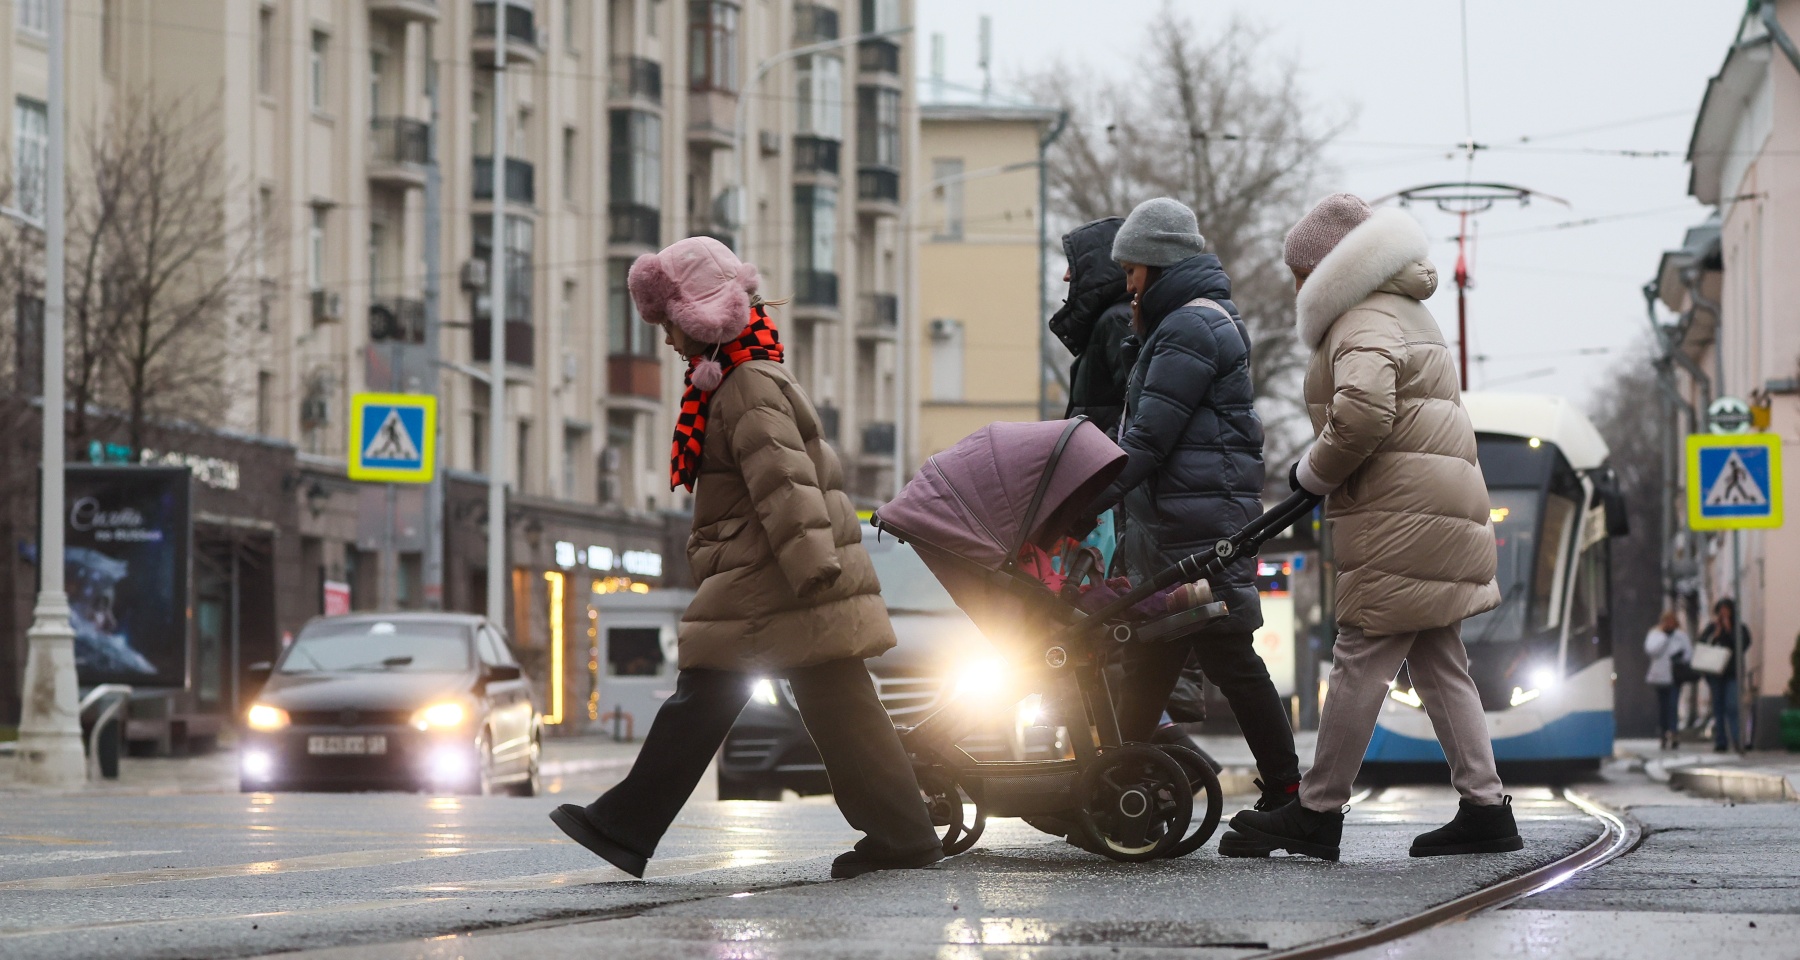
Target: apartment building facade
1734, 333
339, 118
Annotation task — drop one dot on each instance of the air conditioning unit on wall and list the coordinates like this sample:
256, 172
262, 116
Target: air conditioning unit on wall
475, 274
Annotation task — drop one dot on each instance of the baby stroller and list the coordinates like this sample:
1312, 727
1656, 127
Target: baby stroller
981, 515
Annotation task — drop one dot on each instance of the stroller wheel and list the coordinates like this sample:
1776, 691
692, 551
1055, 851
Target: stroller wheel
1135, 803
1206, 790
958, 816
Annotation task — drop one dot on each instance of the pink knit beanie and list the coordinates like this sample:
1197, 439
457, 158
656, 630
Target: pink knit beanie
1321, 230
699, 285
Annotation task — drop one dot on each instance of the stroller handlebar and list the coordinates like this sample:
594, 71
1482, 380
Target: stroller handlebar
1212, 560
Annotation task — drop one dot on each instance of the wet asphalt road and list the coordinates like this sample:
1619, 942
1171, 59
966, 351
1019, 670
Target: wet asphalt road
378, 875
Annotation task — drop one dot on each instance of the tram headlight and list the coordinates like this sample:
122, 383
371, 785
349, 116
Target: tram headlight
1543, 678
1406, 695
763, 692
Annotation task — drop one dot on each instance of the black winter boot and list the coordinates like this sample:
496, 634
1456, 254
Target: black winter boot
1274, 797
855, 863
1476, 829
1293, 828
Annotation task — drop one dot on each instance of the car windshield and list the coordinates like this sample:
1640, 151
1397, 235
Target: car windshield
906, 584
377, 646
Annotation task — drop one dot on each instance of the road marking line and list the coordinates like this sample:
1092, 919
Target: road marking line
58, 856
324, 861
659, 869
34, 838
360, 906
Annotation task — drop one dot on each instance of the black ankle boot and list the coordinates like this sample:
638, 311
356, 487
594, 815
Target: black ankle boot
1293, 828
1476, 829
1274, 797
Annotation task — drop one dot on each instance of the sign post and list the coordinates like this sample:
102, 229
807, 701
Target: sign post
393, 439
1734, 483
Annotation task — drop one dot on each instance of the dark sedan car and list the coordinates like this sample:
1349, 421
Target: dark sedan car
431, 701
940, 653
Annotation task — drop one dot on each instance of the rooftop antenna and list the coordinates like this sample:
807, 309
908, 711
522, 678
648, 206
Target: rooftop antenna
987, 56
937, 66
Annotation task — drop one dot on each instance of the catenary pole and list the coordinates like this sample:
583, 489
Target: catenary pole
49, 751
497, 432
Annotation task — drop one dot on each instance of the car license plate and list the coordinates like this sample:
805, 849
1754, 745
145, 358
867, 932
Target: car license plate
359, 746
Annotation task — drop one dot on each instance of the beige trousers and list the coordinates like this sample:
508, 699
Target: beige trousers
1361, 669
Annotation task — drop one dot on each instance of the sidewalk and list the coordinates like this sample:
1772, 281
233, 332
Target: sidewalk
1756, 777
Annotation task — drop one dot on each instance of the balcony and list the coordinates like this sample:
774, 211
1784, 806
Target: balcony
714, 231
816, 155
397, 320
634, 78
404, 11
520, 28
712, 119
520, 342
878, 316
629, 375
878, 56
521, 177
878, 439
635, 224
815, 288
399, 151
878, 190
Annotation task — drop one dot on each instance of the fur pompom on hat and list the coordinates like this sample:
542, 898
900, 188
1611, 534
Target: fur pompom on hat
1317, 233
697, 284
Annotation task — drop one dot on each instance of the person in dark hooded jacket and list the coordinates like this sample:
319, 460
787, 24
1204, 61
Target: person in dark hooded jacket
1094, 322
1195, 476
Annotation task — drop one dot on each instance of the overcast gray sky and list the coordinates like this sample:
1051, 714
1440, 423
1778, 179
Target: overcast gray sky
1581, 76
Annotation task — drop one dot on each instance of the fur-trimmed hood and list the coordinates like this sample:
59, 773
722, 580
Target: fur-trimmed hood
1385, 252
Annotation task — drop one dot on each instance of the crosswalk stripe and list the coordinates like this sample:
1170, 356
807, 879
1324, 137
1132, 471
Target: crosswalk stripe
325, 861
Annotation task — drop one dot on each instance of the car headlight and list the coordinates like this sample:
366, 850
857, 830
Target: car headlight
763, 692
988, 677
261, 716
440, 716
1031, 710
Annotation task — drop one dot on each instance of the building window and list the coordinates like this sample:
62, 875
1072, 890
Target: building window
109, 36
315, 250
627, 334
32, 16
520, 278
31, 151
522, 454
265, 403
878, 126
321, 48
265, 52
947, 352
879, 15
570, 142
950, 196
28, 345
815, 244
637, 158
571, 465
377, 66
712, 45
652, 16
571, 24
814, 23
478, 439
265, 209
820, 95
377, 245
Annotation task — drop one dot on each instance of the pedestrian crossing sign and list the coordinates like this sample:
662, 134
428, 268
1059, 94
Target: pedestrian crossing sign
393, 437
1734, 481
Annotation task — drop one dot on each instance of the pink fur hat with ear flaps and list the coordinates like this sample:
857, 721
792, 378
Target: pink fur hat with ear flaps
699, 285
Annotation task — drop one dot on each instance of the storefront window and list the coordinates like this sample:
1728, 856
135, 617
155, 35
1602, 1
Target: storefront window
634, 652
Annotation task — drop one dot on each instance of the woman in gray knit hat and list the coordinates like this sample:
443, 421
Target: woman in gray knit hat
1195, 476
1395, 458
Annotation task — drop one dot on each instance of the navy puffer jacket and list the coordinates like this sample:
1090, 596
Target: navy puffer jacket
1191, 430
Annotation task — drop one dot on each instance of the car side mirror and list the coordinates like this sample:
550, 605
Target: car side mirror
260, 668
500, 672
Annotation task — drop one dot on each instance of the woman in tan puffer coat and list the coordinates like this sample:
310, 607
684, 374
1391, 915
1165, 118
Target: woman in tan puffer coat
785, 586
1408, 509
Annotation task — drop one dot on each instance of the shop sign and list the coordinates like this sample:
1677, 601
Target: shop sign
127, 531
565, 554
216, 472
643, 563
337, 598
638, 563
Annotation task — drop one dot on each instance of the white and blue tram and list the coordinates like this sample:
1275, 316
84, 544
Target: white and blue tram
1543, 659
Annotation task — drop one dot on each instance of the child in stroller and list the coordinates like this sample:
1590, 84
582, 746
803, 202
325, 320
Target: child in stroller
990, 518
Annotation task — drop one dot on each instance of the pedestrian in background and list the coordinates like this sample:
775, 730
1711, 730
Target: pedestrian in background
1093, 323
1195, 476
1669, 649
1409, 514
1725, 631
785, 587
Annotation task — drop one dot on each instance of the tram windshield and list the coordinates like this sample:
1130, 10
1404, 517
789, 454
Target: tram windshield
1533, 567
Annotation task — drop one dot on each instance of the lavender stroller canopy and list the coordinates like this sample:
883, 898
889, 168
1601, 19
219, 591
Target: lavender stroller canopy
1003, 486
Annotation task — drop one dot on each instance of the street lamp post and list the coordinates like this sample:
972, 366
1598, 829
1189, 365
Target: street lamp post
49, 748
497, 432
743, 117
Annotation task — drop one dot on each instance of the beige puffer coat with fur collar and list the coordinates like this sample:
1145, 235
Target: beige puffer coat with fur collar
1408, 507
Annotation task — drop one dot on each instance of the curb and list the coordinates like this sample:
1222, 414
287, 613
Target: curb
1741, 786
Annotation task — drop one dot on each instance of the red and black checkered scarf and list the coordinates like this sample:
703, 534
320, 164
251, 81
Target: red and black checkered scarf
758, 342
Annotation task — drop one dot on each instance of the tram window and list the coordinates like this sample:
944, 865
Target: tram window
1514, 513
1553, 561
1587, 641
634, 652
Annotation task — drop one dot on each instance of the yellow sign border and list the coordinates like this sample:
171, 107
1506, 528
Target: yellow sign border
427, 444
1698, 441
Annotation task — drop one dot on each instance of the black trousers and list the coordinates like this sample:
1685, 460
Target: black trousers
871, 777
1230, 662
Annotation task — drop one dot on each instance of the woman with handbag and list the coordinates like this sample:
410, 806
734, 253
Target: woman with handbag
1721, 643
1670, 651
785, 586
